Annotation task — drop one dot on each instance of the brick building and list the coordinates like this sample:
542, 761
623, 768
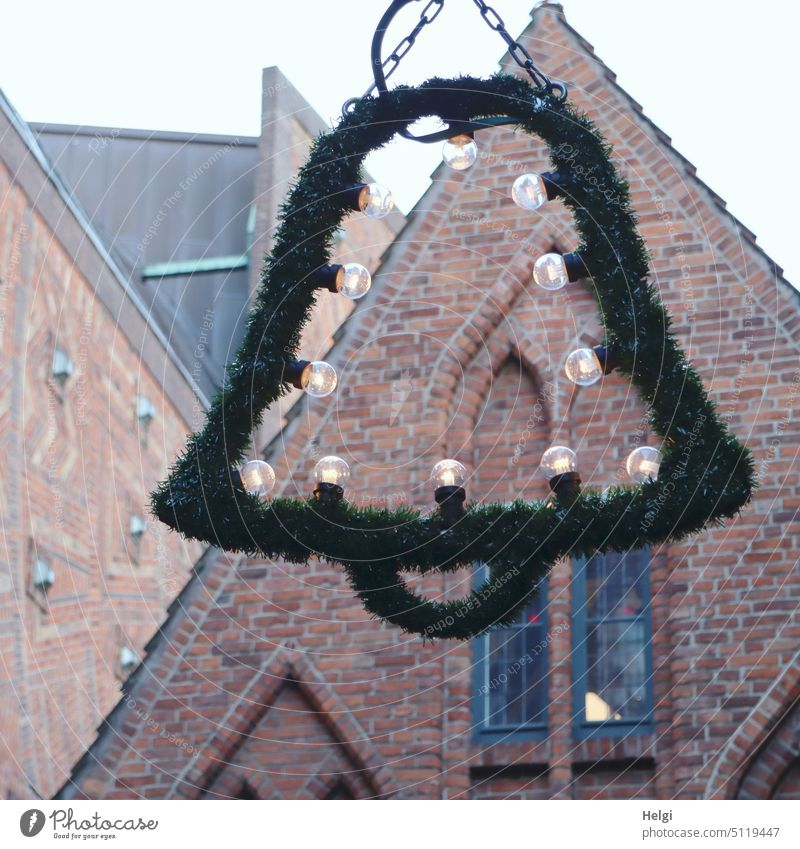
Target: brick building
125, 275
665, 673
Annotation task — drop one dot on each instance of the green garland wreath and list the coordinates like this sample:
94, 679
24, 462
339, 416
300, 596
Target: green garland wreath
705, 476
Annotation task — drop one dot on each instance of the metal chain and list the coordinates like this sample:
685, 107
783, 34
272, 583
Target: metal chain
391, 62
517, 52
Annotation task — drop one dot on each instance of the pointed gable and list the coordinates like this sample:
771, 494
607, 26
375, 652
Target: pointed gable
455, 352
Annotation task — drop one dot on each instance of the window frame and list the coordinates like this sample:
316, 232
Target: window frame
479, 706
582, 728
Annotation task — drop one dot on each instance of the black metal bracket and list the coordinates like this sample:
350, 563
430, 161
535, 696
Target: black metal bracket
454, 128
451, 503
293, 372
328, 493
576, 268
605, 355
327, 277
566, 487
553, 184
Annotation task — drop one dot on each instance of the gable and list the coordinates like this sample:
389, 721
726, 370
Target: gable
459, 272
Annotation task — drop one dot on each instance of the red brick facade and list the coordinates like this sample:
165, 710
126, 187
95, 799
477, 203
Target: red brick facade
269, 681
77, 465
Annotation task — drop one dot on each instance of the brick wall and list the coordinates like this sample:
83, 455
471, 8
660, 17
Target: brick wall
76, 467
451, 355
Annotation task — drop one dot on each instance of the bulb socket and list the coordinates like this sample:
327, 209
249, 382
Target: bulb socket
606, 357
328, 277
328, 493
553, 184
352, 196
566, 487
451, 503
293, 372
576, 268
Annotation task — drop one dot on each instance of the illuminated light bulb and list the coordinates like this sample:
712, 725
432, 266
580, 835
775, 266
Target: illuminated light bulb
319, 379
375, 200
450, 477
460, 152
332, 469
258, 478
449, 473
558, 460
353, 281
643, 464
550, 272
529, 191
583, 367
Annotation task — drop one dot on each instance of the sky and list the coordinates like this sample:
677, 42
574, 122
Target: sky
715, 75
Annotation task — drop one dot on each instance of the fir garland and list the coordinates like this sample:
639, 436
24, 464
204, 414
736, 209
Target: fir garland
706, 475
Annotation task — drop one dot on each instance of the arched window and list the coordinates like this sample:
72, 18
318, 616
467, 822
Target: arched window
612, 657
510, 664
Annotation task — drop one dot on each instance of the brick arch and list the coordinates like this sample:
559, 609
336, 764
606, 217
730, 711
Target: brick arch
789, 785
209, 774
511, 434
768, 767
604, 423
729, 768
477, 376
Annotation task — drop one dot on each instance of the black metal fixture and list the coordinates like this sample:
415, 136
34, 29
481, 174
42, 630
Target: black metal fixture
382, 68
450, 477
352, 279
328, 493
566, 487
553, 184
606, 358
296, 373
451, 503
328, 277
560, 466
576, 268
330, 474
373, 199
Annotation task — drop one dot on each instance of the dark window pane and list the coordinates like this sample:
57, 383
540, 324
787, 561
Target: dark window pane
514, 662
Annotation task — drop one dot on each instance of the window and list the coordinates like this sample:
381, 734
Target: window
612, 661
510, 669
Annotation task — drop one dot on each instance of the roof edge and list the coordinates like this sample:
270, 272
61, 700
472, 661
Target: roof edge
141, 134
152, 649
31, 143
749, 236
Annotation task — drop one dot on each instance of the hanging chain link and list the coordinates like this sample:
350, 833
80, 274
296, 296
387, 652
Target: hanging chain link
517, 52
391, 62
493, 20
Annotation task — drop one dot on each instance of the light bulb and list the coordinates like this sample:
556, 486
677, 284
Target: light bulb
353, 281
583, 367
529, 191
550, 271
558, 460
258, 478
319, 379
460, 152
332, 469
375, 200
449, 473
643, 463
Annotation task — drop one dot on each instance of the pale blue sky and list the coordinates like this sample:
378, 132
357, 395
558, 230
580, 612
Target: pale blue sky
711, 74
